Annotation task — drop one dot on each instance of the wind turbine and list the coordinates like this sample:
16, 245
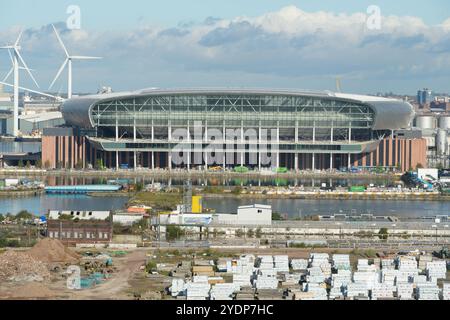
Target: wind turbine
16, 59
68, 61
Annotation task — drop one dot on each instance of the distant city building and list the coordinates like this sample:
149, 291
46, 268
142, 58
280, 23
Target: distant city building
425, 96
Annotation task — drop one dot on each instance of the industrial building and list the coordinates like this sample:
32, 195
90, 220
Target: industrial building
197, 128
82, 231
435, 129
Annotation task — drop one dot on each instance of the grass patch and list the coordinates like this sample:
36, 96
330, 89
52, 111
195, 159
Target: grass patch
157, 200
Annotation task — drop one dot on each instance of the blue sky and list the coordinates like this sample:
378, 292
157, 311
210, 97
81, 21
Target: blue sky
251, 43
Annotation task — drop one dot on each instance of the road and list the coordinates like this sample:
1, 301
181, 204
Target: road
114, 288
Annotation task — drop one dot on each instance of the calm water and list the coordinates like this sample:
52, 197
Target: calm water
299, 207
293, 207
41, 204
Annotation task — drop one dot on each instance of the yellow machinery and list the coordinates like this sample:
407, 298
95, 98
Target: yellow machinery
197, 204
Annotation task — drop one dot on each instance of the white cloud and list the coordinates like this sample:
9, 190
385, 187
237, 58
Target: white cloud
288, 44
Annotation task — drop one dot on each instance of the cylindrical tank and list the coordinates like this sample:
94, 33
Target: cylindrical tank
441, 142
444, 122
425, 122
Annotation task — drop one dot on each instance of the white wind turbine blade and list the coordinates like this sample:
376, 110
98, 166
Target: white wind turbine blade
85, 58
26, 67
60, 41
12, 68
16, 44
59, 73
8, 74
10, 57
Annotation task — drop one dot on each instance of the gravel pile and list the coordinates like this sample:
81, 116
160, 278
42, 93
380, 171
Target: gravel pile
20, 266
52, 250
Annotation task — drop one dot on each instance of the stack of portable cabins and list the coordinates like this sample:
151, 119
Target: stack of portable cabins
299, 264
383, 291
356, 289
339, 283
223, 263
315, 275
266, 277
436, 270
317, 291
223, 291
178, 287
281, 263
341, 262
203, 271
407, 269
364, 280
446, 291
290, 280
322, 261
404, 291
423, 260
387, 264
197, 290
389, 276
427, 291
242, 270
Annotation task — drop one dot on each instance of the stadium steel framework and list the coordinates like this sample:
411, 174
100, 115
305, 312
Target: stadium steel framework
295, 129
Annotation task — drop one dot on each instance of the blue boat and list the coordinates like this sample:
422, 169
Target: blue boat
83, 189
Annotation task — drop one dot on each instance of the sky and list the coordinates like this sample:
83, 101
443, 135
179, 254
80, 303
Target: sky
251, 43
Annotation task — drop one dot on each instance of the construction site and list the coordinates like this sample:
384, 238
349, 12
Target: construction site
50, 270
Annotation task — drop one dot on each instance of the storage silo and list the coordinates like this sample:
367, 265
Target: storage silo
425, 122
444, 122
441, 142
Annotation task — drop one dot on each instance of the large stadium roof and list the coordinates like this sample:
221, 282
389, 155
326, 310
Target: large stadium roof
389, 113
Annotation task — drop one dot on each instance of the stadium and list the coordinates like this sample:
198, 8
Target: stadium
298, 130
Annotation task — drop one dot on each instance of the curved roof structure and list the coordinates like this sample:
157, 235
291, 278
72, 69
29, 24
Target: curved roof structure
389, 113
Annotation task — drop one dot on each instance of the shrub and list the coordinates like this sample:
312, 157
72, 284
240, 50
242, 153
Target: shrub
383, 233
174, 232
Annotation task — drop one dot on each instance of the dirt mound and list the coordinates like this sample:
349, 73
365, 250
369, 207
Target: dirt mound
20, 266
52, 250
32, 290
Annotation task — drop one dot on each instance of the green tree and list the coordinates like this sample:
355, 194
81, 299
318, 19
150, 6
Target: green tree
276, 216
239, 233
20, 164
65, 217
38, 163
2, 217
47, 164
174, 232
24, 215
383, 233
236, 190
79, 165
99, 164
28, 164
250, 233
139, 186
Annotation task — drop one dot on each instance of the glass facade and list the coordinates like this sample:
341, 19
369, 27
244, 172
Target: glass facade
297, 118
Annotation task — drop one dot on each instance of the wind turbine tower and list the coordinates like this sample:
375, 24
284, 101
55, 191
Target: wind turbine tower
68, 61
15, 59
